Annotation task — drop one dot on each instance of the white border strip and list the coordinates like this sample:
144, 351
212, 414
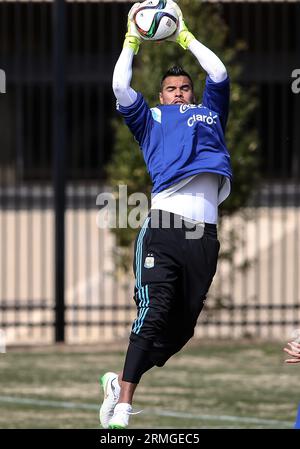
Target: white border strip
133, 1
74, 405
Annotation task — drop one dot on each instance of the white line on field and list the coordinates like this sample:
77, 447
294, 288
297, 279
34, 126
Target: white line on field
74, 405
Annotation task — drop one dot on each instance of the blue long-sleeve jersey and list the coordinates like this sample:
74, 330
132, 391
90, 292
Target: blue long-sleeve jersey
179, 141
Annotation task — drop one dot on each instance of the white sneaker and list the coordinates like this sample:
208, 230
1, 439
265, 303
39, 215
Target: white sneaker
111, 389
121, 416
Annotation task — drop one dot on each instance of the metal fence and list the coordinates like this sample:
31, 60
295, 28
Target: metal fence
58, 280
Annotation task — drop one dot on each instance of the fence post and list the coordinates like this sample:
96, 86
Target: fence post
59, 129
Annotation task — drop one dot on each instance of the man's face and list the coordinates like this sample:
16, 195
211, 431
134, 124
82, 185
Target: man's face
176, 90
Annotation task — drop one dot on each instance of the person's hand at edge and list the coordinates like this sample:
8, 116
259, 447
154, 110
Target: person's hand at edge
294, 351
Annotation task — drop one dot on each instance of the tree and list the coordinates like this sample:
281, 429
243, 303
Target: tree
127, 166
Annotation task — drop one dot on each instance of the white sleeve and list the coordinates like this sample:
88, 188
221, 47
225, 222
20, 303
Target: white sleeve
210, 62
125, 95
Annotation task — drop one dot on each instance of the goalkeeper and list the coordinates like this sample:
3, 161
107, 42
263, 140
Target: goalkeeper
176, 250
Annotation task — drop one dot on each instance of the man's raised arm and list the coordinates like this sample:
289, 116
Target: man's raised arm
210, 62
124, 93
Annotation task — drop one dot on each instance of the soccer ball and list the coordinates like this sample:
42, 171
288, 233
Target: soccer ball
156, 20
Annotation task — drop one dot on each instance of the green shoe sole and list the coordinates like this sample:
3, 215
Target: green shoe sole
115, 426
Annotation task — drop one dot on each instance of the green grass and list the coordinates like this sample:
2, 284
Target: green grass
204, 383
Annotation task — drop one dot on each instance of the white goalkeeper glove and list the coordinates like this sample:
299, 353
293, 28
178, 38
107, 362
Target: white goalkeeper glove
182, 35
132, 38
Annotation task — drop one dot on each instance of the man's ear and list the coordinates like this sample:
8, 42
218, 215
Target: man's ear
161, 98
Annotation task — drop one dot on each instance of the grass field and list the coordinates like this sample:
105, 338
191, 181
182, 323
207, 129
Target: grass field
213, 385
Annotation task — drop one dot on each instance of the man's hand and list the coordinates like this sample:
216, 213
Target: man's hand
182, 36
294, 351
132, 38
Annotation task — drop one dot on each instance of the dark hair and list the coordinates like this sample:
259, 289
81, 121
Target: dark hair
176, 70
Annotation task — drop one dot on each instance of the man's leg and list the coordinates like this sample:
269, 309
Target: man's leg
127, 389
137, 362
198, 272
127, 392
156, 267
